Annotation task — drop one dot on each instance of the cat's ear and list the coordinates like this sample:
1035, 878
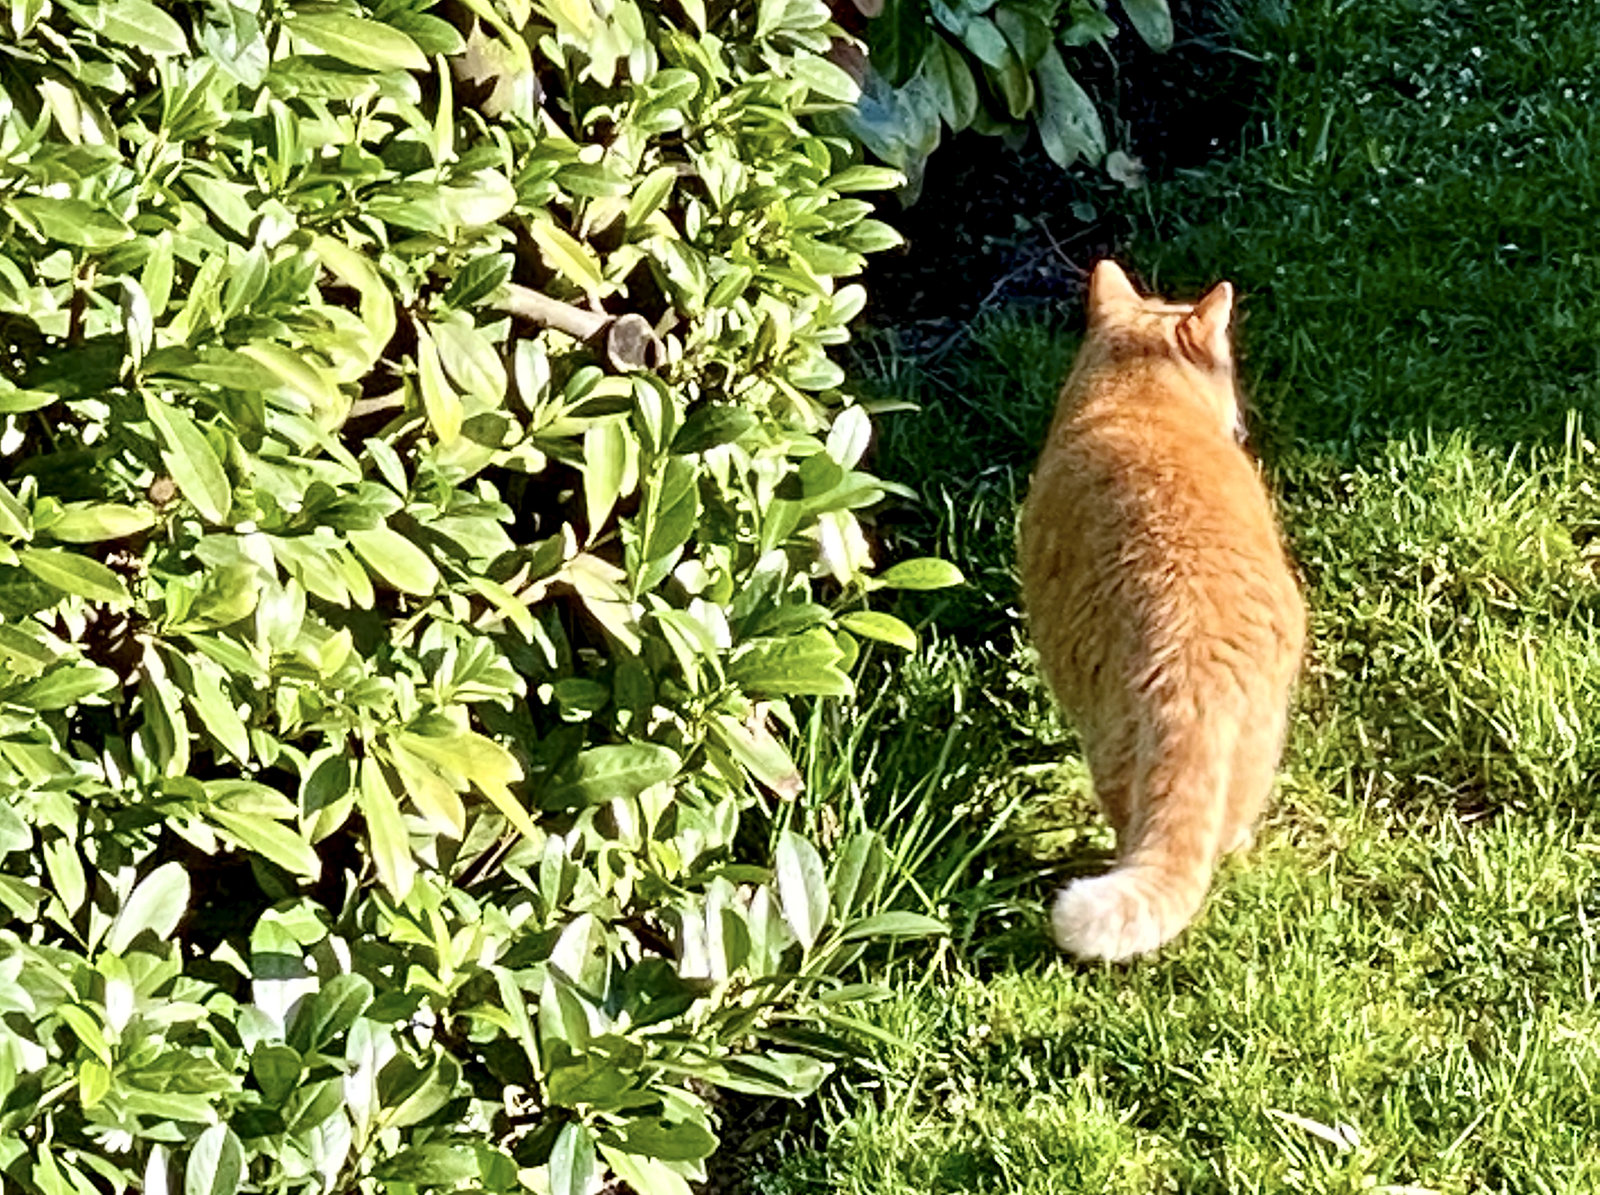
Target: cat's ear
1203, 333
1109, 285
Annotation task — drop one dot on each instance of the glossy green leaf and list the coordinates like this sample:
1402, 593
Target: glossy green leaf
216, 709
64, 869
470, 360
650, 193
439, 397
1069, 124
434, 1164
15, 835
983, 37
338, 1001
468, 757
643, 1175
434, 792
671, 1141
605, 460
873, 236
270, 839
865, 178
899, 38
894, 924
386, 830
396, 560
86, 1027
478, 280
228, 201
216, 1163
713, 424
859, 863
15, 520
358, 40
672, 504
75, 574
1028, 32
277, 1070
411, 1093
191, 460
94, 1081
377, 300
71, 221
760, 753
566, 255
1153, 21
923, 572
802, 887
605, 773
776, 1074
874, 624
143, 26
92, 522
156, 904
804, 664
826, 79
572, 1160
64, 687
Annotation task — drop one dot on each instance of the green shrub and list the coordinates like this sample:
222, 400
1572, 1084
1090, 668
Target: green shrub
996, 66
426, 491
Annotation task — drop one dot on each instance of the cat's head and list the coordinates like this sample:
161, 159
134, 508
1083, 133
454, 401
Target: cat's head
1124, 325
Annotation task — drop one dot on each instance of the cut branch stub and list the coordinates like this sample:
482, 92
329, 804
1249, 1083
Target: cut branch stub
628, 341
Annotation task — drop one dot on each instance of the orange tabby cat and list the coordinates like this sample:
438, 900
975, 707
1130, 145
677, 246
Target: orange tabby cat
1165, 612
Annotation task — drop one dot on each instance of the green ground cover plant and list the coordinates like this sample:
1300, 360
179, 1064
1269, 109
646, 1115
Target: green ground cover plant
999, 67
1396, 991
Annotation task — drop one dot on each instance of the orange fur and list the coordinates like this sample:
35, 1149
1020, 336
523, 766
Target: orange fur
1165, 611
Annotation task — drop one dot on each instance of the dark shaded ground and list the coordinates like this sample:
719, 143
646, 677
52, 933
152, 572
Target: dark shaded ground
996, 226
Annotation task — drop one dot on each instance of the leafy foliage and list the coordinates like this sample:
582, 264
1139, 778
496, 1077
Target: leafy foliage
996, 66
426, 493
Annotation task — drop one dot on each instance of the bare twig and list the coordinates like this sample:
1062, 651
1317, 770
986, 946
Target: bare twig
530, 305
628, 341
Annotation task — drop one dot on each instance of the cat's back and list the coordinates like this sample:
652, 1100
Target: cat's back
1149, 534
1149, 469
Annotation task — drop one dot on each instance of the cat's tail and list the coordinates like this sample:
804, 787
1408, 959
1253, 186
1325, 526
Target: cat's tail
1166, 861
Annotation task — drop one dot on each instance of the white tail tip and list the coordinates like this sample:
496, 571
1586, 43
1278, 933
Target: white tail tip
1111, 917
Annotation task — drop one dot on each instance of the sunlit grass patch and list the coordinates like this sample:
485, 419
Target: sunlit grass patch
1454, 621
1395, 991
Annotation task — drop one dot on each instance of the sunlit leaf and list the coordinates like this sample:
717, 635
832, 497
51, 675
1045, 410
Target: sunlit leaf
216, 1163
75, 574
91, 522
386, 830
70, 221
924, 572
358, 40
604, 773
155, 905
802, 887
874, 624
191, 460
396, 560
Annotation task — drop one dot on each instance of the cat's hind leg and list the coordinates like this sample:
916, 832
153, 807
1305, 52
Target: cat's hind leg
1111, 749
1255, 766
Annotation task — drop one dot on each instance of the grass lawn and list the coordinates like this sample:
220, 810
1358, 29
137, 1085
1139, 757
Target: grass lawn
1396, 990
